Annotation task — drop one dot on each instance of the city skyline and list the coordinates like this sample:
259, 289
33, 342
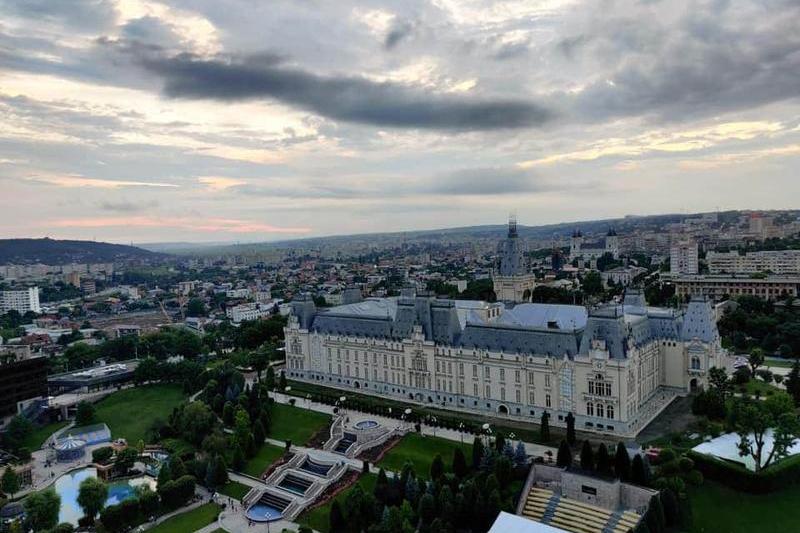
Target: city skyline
136, 120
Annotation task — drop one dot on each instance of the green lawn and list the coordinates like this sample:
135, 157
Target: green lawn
235, 490
420, 451
295, 424
782, 363
718, 509
267, 455
41, 434
128, 413
758, 385
190, 521
318, 518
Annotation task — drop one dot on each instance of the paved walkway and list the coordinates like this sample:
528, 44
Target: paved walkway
534, 449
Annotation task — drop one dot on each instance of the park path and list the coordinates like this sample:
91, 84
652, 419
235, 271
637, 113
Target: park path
533, 449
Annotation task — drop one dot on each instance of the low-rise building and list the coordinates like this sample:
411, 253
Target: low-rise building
719, 287
249, 311
774, 261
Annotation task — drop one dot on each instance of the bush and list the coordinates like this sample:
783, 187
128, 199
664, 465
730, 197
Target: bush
102, 455
776, 477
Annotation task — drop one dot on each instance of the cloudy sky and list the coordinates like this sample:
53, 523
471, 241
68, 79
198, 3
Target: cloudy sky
203, 120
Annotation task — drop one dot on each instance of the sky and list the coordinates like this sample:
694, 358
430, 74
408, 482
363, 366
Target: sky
245, 120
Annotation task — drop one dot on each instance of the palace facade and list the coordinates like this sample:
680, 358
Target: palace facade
614, 368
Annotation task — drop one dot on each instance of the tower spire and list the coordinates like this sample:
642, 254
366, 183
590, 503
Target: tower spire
512, 224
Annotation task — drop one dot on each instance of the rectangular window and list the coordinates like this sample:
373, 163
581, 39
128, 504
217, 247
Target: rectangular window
519, 395
502, 374
531, 398
516, 376
547, 400
474, 371
488, 392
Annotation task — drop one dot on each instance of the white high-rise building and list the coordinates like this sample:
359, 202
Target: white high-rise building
683, 258
21, 301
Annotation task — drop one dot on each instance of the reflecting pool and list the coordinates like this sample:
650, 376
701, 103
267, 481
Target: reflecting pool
67, 487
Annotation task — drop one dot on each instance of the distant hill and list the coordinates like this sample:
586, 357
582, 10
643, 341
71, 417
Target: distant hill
56, 252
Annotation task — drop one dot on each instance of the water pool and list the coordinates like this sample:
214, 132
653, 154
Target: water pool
261, 512
366, 424
67, 486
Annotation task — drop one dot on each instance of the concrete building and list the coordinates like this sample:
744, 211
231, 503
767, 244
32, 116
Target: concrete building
774, 261
684, 258
513, 281
623, 274
88, 286
719, 286
578, 501
23, 377
249, 311
21, 301
579, 248
615, 368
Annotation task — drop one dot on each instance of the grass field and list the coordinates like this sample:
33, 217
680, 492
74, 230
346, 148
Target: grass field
39, 435
267, 455
420, 450
718, 509
295, 424
318, 518
128, 413
190, 521
235, 490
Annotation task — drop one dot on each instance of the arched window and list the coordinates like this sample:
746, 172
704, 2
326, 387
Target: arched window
610, 411
600, 410
590, 409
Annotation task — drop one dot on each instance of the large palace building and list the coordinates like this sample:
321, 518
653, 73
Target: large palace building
614, 368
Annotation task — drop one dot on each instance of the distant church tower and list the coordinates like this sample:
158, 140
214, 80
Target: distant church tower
513, 282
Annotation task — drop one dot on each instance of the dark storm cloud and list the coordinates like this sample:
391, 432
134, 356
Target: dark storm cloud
705, 63
399, 31
126, 206
86, 15
352, 99
150, 30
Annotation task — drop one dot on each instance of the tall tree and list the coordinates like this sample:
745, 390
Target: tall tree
437, 468
639, 472
603, 460
85, 413
42, 508
755, 360
544, 427
10, 483
336, 518
793, 382
587, 456
92, 496
754, 420
571, 438
564, 457
477, 452
460, 468
718, 381
622, 463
